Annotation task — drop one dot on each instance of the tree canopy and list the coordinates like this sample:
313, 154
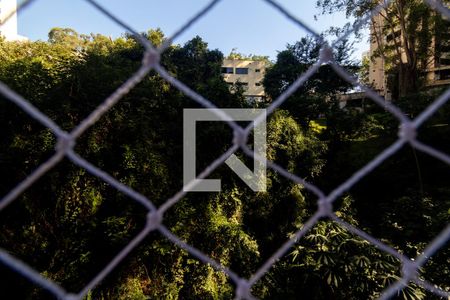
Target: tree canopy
321, 89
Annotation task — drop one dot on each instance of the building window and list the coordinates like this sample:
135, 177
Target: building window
241, 70
444, 75
227, 70
258, 84
243, 85
257, 70
437, 75
445, 62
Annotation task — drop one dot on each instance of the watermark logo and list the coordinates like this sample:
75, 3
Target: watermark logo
256, 180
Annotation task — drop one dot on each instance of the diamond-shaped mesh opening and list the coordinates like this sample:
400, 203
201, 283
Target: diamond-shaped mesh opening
259, 25
254, 19
238, 227
130, 144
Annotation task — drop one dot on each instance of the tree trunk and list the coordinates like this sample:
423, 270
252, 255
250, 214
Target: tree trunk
407, 79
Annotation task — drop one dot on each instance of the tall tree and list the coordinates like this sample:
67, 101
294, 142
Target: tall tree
312, 97
405, 33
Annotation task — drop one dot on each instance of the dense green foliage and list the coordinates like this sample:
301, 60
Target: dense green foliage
69, 224
317, 94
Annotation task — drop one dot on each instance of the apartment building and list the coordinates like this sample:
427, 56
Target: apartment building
438, 71
8, 27
435, 68
377, 66
248, 74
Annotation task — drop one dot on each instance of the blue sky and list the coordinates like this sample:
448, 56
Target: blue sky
251, 26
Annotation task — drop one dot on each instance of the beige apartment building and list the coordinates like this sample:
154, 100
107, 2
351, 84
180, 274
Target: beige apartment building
438, 71
436, 67
249, 74
377, 71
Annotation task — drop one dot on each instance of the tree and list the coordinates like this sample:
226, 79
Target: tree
66, 36
403, 32
314, 96
237, 55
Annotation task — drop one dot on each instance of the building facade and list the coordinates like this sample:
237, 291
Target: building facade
438, 71
377, 66
248, 74
435, 67
8, 26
